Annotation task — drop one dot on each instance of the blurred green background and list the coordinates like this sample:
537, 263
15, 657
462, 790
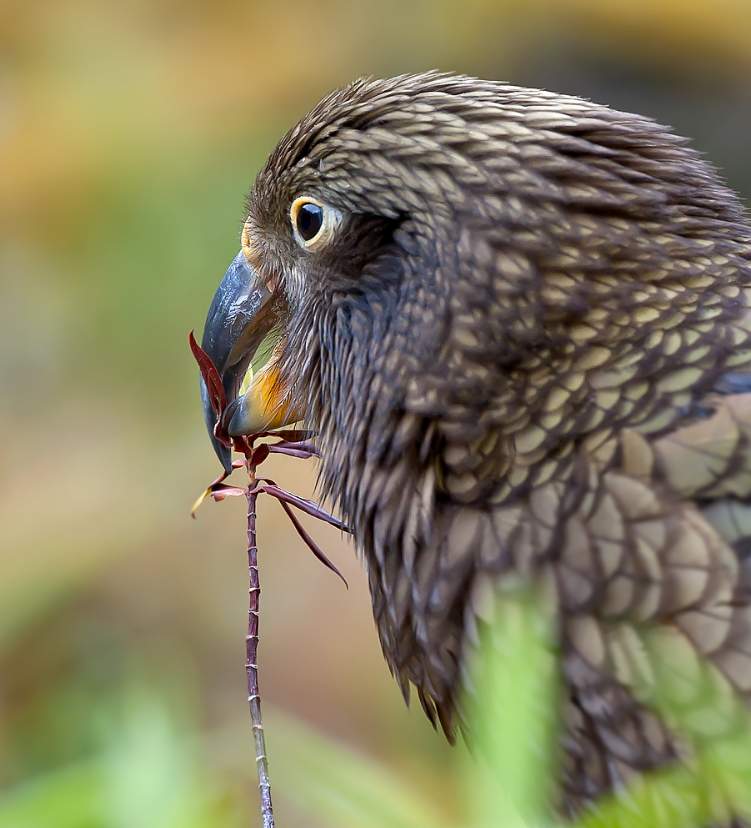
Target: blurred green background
129, 135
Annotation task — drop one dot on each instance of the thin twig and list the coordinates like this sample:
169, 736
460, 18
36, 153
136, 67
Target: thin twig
296, 443
251, 657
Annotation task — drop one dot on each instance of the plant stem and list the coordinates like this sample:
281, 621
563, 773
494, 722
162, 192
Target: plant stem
251, 655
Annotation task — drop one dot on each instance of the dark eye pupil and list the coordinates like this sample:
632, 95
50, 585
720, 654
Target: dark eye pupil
309, 221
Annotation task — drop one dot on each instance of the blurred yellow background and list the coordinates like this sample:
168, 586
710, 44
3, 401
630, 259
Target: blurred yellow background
129, 135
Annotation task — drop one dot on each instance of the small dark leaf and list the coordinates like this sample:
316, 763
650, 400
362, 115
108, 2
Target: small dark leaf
302, 504
298, 448
290, 435
260, 453
242, 444
310, 543
303, 454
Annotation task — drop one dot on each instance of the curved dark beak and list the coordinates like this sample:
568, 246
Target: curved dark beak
239, 318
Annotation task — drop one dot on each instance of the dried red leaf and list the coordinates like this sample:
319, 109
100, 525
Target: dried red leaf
293, 442
221, 490
207, 492
211, 377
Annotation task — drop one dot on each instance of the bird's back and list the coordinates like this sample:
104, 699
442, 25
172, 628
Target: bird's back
592, 431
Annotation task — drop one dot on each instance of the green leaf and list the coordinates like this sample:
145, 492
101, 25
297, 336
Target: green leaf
71, 797
328, 780
712, 783
512, 717
146, 773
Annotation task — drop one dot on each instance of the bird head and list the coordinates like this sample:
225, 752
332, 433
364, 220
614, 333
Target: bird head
465, 278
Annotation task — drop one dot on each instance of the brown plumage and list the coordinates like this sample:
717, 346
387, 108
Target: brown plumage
522, 343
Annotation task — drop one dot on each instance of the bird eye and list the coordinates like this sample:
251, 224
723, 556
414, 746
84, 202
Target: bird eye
313, 223
309, 220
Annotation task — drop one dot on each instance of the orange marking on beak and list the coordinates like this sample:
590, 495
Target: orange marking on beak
267, 401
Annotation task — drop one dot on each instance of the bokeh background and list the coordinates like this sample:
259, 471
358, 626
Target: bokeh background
129, 135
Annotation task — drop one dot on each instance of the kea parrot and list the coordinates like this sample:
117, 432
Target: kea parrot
518, 324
